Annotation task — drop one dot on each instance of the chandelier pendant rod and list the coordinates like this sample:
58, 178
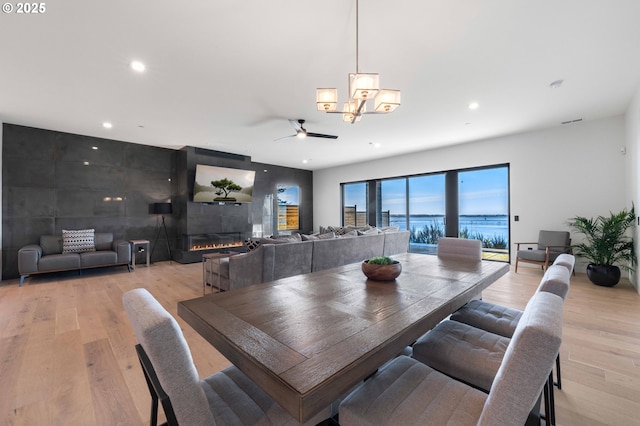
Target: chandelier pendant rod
357, 45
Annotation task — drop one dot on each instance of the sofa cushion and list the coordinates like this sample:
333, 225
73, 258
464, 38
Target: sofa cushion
59, 262
98, 258
103, 240
286, 260
78, 241
342, 251
51, 244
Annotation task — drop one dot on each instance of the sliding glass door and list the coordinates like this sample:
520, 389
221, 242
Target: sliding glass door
468, 203
483, 206
426, 212
354, 204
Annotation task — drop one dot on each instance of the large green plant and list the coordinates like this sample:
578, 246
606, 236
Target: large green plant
607, 241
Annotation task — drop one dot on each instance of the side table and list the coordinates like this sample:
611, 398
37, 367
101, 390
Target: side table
208, 261
143, 246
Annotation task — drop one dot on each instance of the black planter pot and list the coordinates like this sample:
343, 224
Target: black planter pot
603, 275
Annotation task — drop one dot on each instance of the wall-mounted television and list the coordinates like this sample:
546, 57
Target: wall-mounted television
215, 184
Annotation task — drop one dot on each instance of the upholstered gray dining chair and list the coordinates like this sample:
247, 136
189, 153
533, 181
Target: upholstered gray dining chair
409, 392
549, 246
460, 248
503, 320
227, 397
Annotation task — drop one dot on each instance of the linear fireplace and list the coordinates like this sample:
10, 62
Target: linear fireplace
195, 245
221, 241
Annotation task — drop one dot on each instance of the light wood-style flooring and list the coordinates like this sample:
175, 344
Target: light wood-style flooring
67, 352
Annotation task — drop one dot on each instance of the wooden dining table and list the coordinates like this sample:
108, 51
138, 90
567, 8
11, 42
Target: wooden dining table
307, 340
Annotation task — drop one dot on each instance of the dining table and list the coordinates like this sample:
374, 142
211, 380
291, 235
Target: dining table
309, 339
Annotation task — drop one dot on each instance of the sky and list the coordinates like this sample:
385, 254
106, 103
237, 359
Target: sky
481, 192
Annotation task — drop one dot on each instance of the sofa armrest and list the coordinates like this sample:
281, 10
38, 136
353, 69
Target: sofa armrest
123, 251
246, 269
28, 258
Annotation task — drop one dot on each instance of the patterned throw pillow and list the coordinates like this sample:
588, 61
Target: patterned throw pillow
78, 241
252, 244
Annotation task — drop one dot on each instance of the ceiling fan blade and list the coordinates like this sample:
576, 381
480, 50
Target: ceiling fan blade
296, 125
320, 135
285, 137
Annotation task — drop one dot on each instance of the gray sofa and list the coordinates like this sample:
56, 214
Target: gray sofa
272, 261
48, 255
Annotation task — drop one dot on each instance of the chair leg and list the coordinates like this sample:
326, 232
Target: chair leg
547, 405
552, 401
516, 264
558, 383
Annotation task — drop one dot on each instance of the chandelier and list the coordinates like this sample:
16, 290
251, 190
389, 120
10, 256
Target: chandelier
362, 88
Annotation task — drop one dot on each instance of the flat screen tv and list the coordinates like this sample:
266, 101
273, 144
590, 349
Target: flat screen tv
215, 184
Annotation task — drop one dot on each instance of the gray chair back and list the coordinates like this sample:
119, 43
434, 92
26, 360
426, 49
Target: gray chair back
555, 239
556, 280
161, 338
566, 260
460, 248
527, 362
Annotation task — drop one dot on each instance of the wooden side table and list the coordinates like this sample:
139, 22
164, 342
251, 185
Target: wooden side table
144, 244
208, 260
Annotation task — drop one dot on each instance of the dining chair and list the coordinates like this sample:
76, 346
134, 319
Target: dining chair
460, 248
409, 392
568, 261
503, 320
227, 397
473, 355
549, 246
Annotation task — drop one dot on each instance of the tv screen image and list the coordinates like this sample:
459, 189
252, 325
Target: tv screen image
215, 184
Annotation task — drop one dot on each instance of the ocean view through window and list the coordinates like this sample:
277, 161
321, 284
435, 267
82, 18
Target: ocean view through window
469, 203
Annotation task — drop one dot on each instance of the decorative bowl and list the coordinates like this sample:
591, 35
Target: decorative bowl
382, 272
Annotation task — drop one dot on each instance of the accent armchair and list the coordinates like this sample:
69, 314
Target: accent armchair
549, 246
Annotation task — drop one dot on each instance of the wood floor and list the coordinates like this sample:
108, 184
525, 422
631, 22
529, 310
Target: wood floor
67, 352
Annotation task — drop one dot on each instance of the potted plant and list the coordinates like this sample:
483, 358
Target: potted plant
381, 268
606, 245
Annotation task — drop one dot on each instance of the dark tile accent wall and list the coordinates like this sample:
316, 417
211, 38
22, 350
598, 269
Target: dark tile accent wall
54, 181
47, 187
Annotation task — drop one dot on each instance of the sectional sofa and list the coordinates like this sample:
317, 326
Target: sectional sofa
274, 260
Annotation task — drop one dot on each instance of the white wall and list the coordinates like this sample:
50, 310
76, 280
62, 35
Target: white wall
1, 254
632, 121
556, 174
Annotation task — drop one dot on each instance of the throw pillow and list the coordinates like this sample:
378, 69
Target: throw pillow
390, 228
78, 241
369, 231
252, 244
353, 233
318, 236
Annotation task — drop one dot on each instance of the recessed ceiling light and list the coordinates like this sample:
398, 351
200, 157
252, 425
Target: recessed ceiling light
94, 147
556, 84
138, 66
474, 105
86, 163
107, 125
305, 161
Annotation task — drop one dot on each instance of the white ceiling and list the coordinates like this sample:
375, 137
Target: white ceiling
226, 75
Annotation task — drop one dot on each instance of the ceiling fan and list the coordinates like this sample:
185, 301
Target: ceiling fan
301, 132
